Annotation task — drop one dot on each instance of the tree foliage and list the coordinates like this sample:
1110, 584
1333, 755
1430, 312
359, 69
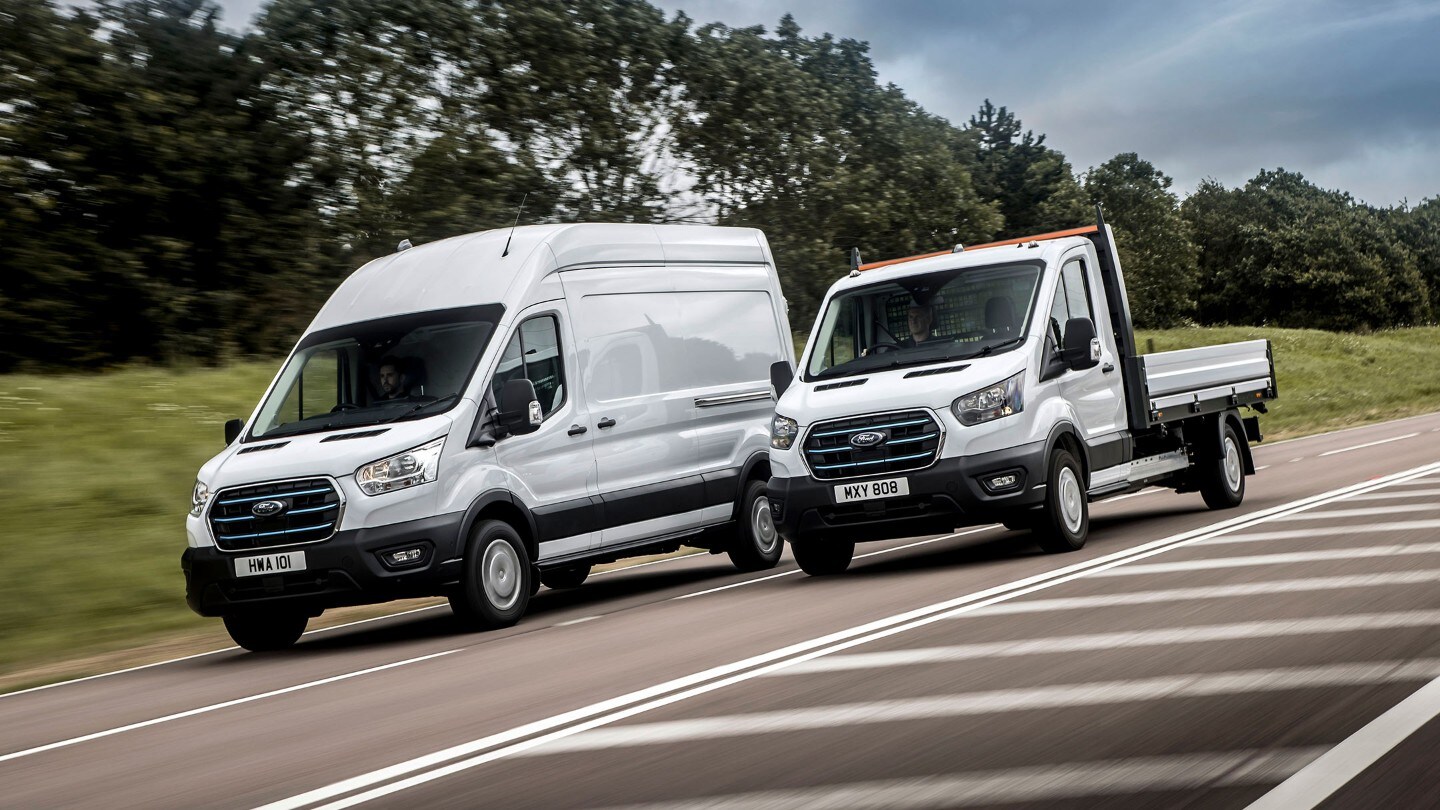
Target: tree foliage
172, 190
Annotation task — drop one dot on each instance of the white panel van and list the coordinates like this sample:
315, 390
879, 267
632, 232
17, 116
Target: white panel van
480, 415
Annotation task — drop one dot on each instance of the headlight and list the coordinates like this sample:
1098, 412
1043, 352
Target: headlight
199, 496
1001, 399
782, 432
407, 469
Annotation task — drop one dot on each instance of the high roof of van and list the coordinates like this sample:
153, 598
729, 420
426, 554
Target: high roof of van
476, 268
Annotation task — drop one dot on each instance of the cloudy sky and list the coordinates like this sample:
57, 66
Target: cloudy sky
1346, 92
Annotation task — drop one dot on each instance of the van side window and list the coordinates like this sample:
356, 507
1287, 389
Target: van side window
1072, 300
534, 354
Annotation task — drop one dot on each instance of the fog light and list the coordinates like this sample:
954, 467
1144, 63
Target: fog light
405, 556
1002, 482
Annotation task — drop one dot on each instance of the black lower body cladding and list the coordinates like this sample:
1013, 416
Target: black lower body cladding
343, 570
953, 492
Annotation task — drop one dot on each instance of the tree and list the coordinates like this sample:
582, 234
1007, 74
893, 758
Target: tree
1161, 273
1031, 183
1282, 251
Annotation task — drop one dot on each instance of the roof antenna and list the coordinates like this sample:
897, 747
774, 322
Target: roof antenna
506, 251
854, 262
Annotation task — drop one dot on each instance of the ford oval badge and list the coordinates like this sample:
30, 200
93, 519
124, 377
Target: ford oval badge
267, 508
869, 438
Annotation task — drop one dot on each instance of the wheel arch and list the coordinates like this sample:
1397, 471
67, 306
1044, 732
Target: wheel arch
1064, 434
499, 504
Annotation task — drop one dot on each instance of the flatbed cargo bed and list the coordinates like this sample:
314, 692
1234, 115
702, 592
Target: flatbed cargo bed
1210, 379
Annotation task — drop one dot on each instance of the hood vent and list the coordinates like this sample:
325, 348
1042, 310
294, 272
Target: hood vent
364, 434
257, 448
926, 372
845, 384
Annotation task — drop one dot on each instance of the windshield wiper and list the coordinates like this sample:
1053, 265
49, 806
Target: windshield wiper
991, 349
419, 407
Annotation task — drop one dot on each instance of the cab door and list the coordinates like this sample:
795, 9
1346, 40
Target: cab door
552, 469
1095, 393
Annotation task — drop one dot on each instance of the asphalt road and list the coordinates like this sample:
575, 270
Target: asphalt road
1285, 653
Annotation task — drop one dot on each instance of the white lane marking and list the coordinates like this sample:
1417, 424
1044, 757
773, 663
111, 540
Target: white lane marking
1293, 460
1055, 645
207, 652
216, 707
1285, 558
1374, 425
1262, 467
1369, 444
998, 701
1368, 511
1067, 780
1213, 592
1334, 769
793, 571
1149, 491
580, 620
1409, 493
513, 741
1378, 529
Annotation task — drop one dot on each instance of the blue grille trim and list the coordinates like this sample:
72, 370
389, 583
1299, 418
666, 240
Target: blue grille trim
277, 534
879, 461
869, 427
276, 496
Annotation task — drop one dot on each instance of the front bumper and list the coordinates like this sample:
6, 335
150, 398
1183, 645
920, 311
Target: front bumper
343, 570
942, 497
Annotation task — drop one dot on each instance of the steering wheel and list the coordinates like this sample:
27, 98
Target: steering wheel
344, 406
883, 346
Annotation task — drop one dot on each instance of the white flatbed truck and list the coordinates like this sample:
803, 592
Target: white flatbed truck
998, 383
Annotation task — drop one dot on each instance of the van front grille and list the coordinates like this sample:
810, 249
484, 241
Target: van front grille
246, 518
909, 440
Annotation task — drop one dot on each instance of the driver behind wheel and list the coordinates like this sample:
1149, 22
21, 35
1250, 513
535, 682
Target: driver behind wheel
392, 381
921, 318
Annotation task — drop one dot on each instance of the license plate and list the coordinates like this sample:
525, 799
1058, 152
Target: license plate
868, 490
270, 564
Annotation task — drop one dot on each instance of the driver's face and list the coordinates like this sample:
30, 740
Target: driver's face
389, 380
919, 320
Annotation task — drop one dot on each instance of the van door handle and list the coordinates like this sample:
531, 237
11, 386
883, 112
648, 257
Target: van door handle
606, 422
575, 430
1108, 367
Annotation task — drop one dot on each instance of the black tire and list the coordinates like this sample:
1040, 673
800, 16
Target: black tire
1063, 521
265, 631
495, 584
1222, 479
820, 558
571, 576
757, 545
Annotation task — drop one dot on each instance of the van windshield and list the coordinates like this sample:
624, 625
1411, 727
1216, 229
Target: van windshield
931, 318
385, 370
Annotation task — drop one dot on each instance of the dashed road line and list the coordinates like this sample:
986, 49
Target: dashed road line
1370, 444
1283, 558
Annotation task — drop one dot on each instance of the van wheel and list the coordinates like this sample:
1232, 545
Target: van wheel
495, 585
820, 558
263, 631
571, 576
1222, 480
1064, 520
757, 544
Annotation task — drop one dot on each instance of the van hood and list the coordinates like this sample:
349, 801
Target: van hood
313, 454
933, 386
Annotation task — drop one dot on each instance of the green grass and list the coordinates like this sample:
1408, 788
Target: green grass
100, 469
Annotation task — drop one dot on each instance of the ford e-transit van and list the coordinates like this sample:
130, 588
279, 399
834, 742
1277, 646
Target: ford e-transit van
477, 416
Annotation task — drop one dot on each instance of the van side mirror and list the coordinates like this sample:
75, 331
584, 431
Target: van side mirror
1082, 347
232, 431
781, 375
520, 411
